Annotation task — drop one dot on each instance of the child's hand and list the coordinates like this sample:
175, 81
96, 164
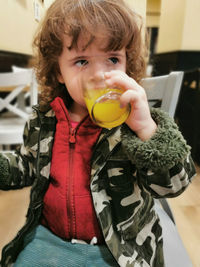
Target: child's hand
139, 120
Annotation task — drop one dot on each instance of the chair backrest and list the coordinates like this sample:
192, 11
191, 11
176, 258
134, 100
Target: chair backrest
165, 88
33, 93
15, 84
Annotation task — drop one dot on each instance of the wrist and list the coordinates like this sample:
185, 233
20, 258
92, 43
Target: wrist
147, 131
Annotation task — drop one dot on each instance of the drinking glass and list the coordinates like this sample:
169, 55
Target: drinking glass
103, 103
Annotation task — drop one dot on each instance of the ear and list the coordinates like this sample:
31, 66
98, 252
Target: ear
60, 78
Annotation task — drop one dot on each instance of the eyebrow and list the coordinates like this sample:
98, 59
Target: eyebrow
116, 53
77, 58
109, 54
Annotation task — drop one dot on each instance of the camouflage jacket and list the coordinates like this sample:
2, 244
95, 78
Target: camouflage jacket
126, 175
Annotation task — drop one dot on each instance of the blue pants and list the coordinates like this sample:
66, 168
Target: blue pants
44, 249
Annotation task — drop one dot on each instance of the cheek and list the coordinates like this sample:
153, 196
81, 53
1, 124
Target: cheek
122, 66
75, 91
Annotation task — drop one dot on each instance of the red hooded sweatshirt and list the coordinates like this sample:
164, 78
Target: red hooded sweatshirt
68, 208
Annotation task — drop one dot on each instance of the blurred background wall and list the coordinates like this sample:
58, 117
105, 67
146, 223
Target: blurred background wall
18, 22
174, 34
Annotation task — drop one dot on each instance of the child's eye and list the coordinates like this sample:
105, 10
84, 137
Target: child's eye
81, 62
114, 60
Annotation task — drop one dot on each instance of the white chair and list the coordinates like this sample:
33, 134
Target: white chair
33, 93
165, 89
14, 110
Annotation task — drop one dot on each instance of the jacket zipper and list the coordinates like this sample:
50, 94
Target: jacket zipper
70, 193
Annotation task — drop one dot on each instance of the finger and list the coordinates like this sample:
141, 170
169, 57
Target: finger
129, 96
120, 79
133, 97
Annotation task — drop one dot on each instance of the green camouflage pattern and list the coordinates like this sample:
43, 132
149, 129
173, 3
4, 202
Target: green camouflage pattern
126, 175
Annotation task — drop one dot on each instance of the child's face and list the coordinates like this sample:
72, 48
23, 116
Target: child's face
75, 63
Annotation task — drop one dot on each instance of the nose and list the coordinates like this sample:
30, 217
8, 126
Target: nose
97, 71
97, 76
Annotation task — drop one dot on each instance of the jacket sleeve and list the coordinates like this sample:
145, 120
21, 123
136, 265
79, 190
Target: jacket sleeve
164, 165
16, 167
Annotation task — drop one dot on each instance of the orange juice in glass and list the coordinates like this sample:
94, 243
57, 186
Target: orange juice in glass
104, 106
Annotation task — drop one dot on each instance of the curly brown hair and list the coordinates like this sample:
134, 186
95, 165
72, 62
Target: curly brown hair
120, 23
